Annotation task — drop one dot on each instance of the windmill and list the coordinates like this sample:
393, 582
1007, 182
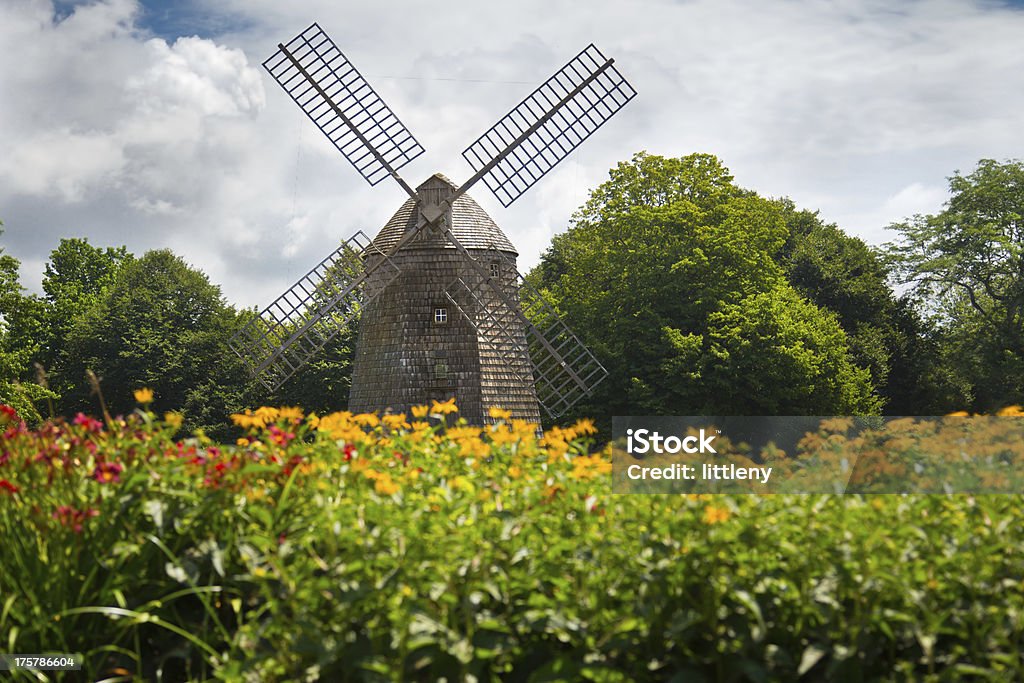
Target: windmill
443, 310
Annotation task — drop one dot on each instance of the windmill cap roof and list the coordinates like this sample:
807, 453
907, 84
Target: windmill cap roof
470, 223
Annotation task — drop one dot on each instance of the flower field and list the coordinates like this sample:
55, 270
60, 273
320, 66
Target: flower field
353, 547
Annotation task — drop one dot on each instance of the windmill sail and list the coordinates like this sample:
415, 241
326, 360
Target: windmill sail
548, 125
299, 323
333, 94
562, 368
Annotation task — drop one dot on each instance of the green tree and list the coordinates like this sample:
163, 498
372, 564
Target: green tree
73, 279
19, 318
775, 352
647, 269
163, 325
841, 273
323, 384
967, 264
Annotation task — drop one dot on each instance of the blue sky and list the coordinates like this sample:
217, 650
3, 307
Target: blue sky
153, 125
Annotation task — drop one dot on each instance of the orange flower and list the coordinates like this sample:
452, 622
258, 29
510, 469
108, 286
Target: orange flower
385, 486
443, 408
294, 414
144, 396
714, 515
500, 414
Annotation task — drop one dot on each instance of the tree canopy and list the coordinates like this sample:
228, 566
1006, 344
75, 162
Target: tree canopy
967, 263
160, 324
670, 273
18, 313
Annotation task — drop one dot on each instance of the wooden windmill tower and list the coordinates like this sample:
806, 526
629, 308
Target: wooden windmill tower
443, 310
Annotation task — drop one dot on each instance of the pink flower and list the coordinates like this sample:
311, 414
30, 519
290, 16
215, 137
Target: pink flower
279, 436
91, 424
107, 472
72, 518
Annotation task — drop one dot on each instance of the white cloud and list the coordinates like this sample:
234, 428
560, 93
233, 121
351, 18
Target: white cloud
857, 108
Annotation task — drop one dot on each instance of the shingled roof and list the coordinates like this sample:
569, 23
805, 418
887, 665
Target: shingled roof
470, 223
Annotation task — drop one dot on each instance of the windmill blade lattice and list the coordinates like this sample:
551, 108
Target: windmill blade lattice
494, 326
548, 125
332, 93
289, 332
564, 370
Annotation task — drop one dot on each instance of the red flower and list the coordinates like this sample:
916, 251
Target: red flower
91, 424
349, 452
292, 463
8, 414
107, 472
72, 518
279, 436
8, 486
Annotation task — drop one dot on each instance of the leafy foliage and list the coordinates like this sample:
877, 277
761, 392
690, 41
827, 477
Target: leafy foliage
660, 258
886, 335
19, 315
774, 352
357, 547
967, 262
162, 325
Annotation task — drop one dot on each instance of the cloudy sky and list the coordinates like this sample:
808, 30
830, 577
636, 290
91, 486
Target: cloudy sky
151, 123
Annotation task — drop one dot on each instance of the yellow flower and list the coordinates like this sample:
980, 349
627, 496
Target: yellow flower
589, 466
246, 420
1011, 411
293, 413
500, 414
503, 436
444, 408
395, 422
474, 448
420, 411
959, 413
714, 515
173, 419
837, 425
313, 420
385, 486
144, 396
266, 414
463, 433
515, 472
366, 419
585, 426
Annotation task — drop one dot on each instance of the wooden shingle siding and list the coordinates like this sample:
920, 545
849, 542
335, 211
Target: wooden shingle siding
482, 346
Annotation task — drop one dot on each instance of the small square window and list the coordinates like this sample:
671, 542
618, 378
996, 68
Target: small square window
495, 269
441, 371
440, 315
